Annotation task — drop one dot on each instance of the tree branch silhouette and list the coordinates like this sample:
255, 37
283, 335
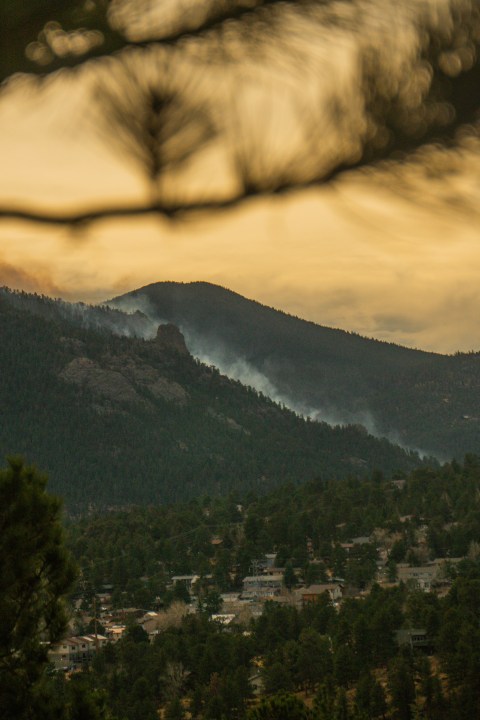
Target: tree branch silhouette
282, 131
170, 211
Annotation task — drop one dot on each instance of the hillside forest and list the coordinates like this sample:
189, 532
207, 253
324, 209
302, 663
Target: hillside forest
117, 411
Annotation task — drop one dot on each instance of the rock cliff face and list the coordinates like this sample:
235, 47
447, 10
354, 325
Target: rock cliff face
103, 382
127, 379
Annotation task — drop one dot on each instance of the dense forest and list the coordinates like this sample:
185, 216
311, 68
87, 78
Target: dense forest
116, 419
420, 399
320, 660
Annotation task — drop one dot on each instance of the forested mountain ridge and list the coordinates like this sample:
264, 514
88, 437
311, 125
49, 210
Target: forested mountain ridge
118, 420
419, 399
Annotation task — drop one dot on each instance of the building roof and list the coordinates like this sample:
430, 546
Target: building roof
319, 588
276, 577
224, 618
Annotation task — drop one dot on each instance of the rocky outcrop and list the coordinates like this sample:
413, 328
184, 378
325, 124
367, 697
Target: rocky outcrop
170, 338
149, 378
169, 390
109, 384
123, 380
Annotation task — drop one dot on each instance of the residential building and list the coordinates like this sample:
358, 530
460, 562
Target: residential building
314, 593
75, 652
264, 586
422, 576
416, 638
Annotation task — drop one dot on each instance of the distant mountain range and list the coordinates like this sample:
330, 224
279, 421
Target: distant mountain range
418, 399
118, 412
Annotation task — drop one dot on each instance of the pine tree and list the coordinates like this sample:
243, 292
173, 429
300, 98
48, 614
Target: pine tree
174, 710
35, 573
289, 577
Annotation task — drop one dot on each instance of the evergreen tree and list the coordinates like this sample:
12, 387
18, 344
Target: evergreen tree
324, 703
277, 678
402, 688
174, 710
314, 658
36, 572
370, 696
286, 707
341, 711
289, 577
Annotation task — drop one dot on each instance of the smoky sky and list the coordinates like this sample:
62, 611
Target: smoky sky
287, 95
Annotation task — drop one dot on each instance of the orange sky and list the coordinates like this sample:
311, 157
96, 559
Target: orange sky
353, 255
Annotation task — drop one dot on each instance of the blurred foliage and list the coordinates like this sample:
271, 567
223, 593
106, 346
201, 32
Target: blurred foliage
403, 76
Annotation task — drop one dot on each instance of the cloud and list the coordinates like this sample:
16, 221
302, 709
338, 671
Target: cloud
18, 278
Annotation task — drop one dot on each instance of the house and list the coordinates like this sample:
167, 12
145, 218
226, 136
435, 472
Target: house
274, 571
416, 638
265, 564
421, 577
270, 559
187, 580
75, 652
115, 632
230, 597
123, 614
264, 586
314, 593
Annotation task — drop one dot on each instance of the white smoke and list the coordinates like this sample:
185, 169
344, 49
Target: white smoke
131, 306
215, 353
